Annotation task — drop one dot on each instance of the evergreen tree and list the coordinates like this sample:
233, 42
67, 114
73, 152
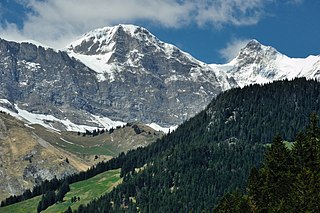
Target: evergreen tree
47, 200
254, 187
287, 181
69, 210
299, 151
312, 144
276, 169
62, 191
234, 203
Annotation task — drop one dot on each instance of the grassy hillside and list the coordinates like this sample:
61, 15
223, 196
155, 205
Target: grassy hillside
22, 207
31, 153
104, 145
87, 190
27, 158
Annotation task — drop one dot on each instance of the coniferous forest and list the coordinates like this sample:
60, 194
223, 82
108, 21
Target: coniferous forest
204, 165
288, 180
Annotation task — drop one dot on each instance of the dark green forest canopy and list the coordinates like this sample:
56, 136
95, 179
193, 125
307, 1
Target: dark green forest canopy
288, 180
213, 152
254, 113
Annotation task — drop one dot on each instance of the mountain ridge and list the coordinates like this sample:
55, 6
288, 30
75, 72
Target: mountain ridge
127, 74
177, 86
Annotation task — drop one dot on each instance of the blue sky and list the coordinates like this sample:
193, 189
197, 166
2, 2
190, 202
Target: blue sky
212, 31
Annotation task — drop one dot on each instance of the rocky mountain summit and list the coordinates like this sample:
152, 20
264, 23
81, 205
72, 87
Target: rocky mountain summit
45, 81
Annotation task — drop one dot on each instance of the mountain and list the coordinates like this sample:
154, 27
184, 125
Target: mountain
127, 74
120, 74
210, 154
257, 63
145, 78
45, 81
127, 53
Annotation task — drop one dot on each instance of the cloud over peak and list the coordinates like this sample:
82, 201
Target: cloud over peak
231, 50
57, 22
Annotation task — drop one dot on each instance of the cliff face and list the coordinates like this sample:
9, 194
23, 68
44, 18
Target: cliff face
145, 78
45, 81
129, 75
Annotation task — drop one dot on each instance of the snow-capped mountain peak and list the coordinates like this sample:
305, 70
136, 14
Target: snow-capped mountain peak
122, 40
144, 66
103, 40
107, 49
257, 63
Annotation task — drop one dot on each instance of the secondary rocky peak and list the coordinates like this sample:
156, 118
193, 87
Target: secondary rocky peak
255, 52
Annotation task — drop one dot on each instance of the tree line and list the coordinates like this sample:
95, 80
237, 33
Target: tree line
50, 197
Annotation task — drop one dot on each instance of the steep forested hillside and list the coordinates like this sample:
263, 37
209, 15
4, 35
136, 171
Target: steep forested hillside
212, 153
255, 113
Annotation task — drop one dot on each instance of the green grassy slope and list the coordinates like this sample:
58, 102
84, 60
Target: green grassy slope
22, 207
87, 190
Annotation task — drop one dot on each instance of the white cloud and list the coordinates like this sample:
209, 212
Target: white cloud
233, 48
295, 2
57, 22
234, 12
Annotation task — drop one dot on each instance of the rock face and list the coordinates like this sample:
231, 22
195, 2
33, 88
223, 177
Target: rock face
24, 161
133, 76
146, 79
46, 81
